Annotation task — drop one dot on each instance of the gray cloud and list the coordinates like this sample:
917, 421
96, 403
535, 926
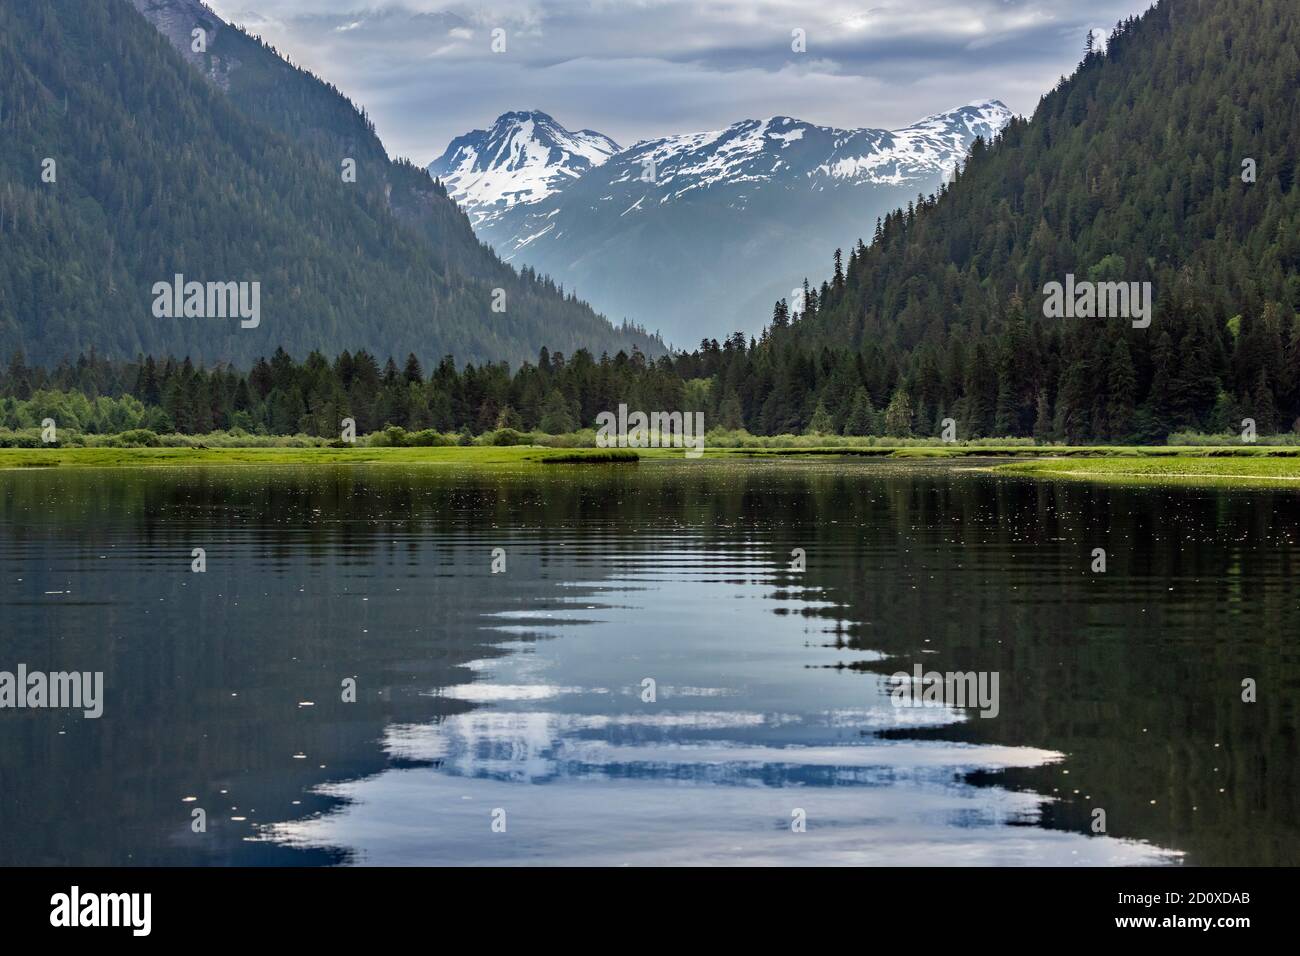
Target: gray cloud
640, 68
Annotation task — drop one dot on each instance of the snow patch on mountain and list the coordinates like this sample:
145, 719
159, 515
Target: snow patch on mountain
934, 145
760, 151
523, 158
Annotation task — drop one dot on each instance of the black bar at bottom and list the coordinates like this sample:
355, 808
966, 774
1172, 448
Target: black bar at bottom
335, 905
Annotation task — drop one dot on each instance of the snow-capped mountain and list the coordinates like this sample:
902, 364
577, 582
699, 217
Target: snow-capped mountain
782, 149
699, 233
522, 159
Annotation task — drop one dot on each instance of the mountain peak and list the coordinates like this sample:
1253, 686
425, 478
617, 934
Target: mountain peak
524, 157
988, 104
519, 116
980, 117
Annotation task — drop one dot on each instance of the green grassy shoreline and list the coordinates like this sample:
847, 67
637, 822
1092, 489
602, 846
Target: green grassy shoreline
454, 455
1241, 470
1243, 465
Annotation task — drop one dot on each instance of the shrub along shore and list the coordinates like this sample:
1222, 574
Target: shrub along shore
717, 439
1245, 464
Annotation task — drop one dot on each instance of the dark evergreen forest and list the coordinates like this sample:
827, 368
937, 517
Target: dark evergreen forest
159, 169
1169, 157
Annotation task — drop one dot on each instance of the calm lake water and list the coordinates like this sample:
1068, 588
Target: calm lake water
519, 698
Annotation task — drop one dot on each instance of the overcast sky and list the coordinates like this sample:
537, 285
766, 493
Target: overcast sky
634, 69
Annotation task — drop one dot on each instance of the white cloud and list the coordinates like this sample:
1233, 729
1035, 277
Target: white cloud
425, 73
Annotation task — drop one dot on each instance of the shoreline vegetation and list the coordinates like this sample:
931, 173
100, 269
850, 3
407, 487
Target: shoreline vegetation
1243, 464
735, 440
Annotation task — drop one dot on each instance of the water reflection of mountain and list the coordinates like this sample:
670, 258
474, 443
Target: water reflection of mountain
311, 578
382, 573
1135, 674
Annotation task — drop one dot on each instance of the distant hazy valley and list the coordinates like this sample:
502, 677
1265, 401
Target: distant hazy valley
696, 234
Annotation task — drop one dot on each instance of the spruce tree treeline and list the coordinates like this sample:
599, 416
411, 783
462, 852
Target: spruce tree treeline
764, 387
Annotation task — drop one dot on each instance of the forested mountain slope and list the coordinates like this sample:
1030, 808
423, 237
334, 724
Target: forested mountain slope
1134, 169
155, 171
